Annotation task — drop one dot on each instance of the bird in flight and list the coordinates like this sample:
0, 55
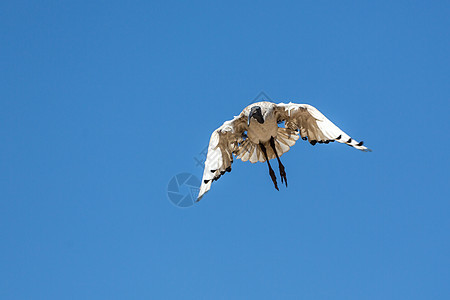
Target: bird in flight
255, 135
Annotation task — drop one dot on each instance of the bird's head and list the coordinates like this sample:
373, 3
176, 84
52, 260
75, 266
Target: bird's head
255, 113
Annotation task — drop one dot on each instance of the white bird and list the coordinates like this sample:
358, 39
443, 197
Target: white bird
254, 135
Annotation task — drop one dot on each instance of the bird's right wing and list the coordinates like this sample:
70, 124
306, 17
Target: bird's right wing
224, 141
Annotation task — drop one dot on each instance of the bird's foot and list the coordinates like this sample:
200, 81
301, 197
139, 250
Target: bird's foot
274, 178
282, 174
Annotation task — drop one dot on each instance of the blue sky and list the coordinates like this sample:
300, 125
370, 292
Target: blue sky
102, 103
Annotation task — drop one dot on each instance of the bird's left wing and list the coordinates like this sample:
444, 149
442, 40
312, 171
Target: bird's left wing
224, 141
313, 125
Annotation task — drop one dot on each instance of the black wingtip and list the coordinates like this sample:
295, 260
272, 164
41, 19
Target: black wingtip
313, 142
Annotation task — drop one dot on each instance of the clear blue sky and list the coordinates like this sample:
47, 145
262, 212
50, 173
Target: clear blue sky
102, 103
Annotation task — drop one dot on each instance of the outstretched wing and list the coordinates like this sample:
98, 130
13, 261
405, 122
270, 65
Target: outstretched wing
313, 125
224, 141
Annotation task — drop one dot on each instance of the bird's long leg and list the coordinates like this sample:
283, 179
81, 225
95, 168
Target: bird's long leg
280, 165
271, 172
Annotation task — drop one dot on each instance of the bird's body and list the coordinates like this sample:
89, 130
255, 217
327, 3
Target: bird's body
255, 136
261, 133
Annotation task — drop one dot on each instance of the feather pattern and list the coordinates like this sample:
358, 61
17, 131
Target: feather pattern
313, 125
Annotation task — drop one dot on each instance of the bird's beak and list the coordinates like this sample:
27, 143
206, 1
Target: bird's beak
250, 115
